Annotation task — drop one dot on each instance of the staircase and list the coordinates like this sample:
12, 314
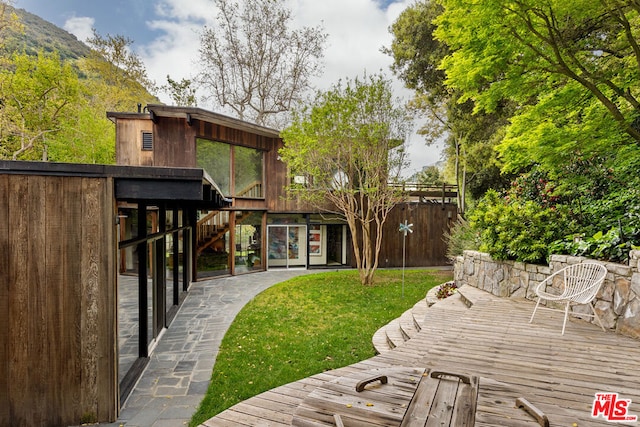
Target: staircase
416, 319
213, 227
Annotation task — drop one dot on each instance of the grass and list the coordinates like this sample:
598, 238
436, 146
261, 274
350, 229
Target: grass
304, 326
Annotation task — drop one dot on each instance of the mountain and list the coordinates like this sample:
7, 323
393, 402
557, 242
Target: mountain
40, 34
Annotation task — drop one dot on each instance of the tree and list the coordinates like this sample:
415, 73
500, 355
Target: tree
430, 175
117, 76
348, 146
417, 55
182, 93
253, 63
38, 95
572, 68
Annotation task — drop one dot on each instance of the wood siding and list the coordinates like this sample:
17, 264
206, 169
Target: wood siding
426, 245
58, 354
129, 142
174, 143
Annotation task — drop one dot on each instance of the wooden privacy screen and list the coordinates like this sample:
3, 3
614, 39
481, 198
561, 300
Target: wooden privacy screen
58, 354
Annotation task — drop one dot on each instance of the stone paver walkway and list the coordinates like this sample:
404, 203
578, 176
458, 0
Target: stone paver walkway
179, 370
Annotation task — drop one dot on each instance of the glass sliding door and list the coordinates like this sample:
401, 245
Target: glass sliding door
287, 246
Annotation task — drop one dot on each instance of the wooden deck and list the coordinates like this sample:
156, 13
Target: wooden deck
494, 341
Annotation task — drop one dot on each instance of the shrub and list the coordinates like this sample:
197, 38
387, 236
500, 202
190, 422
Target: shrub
517, 230
461, 237
613, 245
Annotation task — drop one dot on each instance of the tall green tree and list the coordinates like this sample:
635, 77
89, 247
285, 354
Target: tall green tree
253, 62
571, 67
38, 97
116, 75
347, 147
469, 138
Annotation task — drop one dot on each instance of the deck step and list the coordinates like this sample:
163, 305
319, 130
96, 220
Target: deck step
471, 295
418, 311
414, 320
394, 333
380, 342
408, 325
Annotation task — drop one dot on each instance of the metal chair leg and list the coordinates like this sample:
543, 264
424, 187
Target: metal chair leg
534, 310
566, 314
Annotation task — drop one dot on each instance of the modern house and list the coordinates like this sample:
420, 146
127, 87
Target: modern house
261, 228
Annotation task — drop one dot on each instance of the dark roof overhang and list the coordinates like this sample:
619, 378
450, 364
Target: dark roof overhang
175, 187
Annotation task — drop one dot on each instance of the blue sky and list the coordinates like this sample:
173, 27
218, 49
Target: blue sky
165, 36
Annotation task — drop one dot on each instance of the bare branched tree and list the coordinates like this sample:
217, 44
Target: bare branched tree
253, 63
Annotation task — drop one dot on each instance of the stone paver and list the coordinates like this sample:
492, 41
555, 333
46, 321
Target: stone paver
177, 376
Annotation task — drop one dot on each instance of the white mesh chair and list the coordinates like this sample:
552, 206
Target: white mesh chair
572, 285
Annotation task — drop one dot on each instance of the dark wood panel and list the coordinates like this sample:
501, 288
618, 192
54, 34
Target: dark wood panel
20, 390
37, 304
57, 301
107, 326
426, 245
90, 281
174, 143
4, 299
129, 143
71, 251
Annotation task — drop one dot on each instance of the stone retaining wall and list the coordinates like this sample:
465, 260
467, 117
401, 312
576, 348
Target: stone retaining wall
617, 303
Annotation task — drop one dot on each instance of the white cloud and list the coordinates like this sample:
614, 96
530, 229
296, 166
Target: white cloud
357, 29
80, 26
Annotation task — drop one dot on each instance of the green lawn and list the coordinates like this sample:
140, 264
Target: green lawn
307, 325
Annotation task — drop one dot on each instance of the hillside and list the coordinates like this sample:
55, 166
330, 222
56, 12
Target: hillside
40, 34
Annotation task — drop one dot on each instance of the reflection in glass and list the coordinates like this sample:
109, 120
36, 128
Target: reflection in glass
215, 158
248, 172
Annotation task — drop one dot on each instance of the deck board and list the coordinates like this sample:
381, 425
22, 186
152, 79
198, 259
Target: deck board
494, 340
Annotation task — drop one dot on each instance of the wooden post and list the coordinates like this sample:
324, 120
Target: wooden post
176, 259
143, 348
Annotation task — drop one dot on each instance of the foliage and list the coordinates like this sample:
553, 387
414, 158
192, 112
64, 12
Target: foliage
522, 230
31, 34
599, 199
306, 326
603, 193
430, 175
349, 145
469, 138
56, 91
116, 76
9, 21
570, 67
253, 63
460, 237
38, 95
614, 245
182, 93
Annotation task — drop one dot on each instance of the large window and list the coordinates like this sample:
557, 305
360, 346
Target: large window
240, 177
215, 158
247, 173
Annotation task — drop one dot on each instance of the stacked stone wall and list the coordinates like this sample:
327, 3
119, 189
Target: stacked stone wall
617, 302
